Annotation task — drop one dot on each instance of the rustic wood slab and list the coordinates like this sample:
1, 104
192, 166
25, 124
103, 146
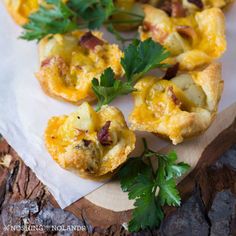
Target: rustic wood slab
24, 200
192, 151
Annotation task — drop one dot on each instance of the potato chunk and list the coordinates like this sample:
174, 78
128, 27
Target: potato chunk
69, 63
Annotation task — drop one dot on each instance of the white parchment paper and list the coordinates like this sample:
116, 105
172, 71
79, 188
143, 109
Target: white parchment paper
25, 109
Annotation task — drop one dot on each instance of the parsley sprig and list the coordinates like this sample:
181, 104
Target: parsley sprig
151, 189
109, 88
93, 13
139, 58
55, 17
58, 17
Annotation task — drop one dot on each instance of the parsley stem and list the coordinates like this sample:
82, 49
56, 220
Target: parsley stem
84, 26
150, 163
122, 21
147, 151
145, 144
128, 13
127, 40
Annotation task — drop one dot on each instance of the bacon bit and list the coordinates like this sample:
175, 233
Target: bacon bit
171, 94
78, 67
146, 26
171, 72
61, 65
166, 7
177, 8
198, 3
90, 41
46, 62
104, 136
59, 62
186, 31
86, 142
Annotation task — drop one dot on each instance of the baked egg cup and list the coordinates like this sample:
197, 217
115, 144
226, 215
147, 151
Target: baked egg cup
91, 144
180, 108
193, 41
69, 63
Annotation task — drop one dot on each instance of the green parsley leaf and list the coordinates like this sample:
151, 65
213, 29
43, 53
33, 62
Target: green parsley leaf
167, 172
151, 189
141, 57
128, 173
136, 178
93, 12
176, 170
53, 18
109, 88
172, 169
143, 184
81, 5
147, 213
168, 194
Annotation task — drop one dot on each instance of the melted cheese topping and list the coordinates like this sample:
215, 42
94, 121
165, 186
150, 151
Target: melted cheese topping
73, 143
204, 41
80, 64
178, 108
21, 9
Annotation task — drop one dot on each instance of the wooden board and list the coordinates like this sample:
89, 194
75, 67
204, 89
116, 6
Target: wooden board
110, 195
23, 196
